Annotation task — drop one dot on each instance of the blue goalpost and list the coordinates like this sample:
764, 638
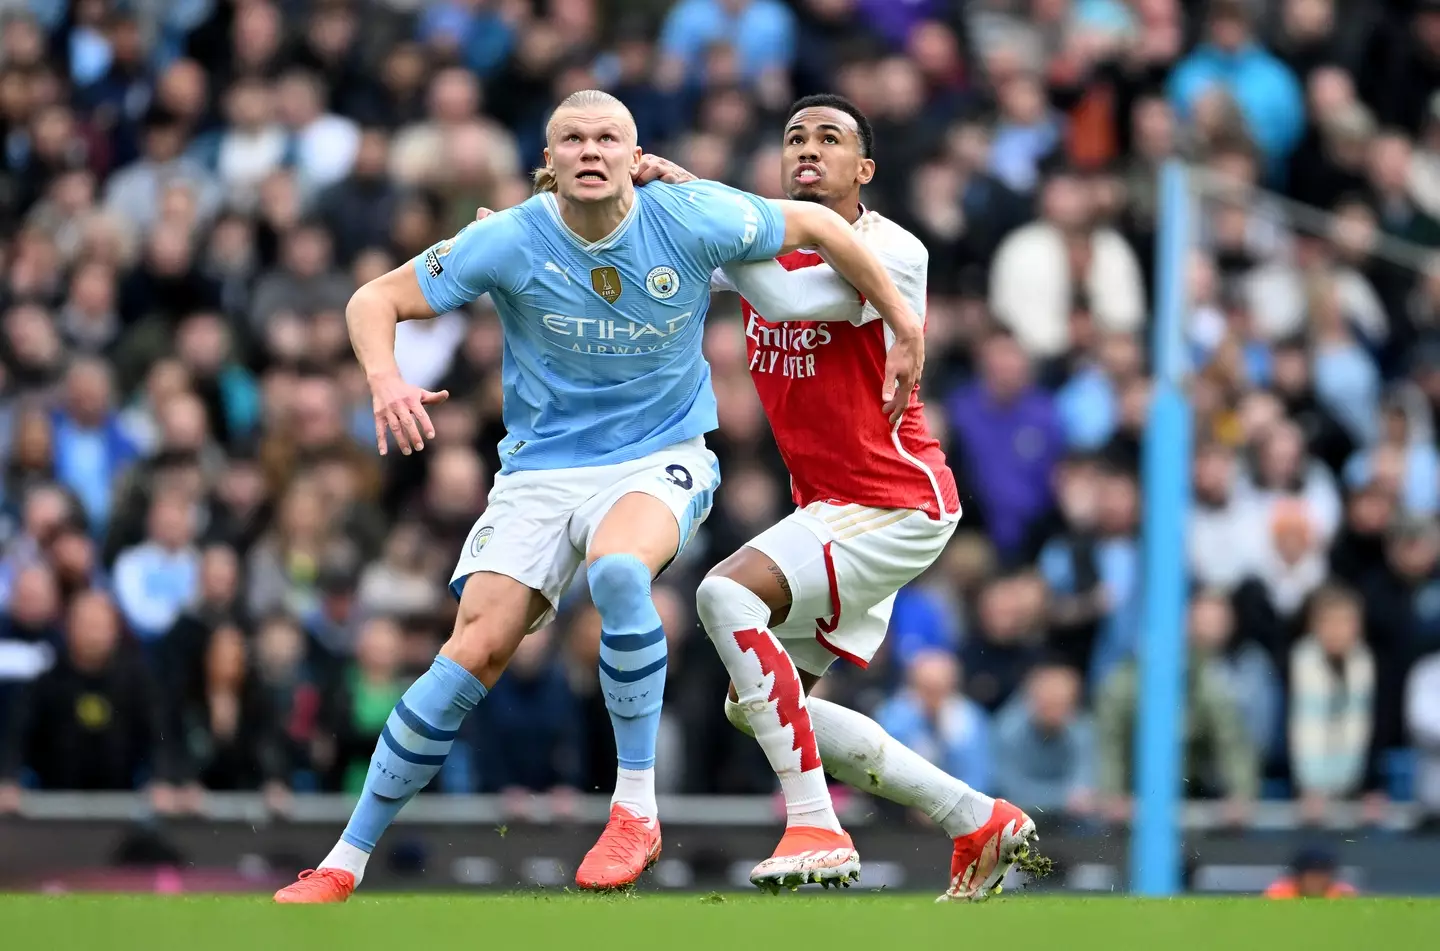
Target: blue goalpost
1155, 859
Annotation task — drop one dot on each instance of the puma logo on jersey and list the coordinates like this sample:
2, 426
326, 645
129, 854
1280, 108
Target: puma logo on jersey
552, 266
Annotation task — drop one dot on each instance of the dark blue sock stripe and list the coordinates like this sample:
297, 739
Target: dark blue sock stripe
630, 676
419, 759
632, 642
408, 717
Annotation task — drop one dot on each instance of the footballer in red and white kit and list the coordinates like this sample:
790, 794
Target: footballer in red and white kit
877, 496
875, 506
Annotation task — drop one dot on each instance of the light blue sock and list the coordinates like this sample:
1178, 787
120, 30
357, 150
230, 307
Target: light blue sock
632, 655
412, 747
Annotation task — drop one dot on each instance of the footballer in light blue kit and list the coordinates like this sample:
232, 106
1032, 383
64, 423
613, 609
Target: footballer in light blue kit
602, 290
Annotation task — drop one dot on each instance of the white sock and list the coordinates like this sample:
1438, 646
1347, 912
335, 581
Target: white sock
635, 790
858, 752
771, 697
347, 857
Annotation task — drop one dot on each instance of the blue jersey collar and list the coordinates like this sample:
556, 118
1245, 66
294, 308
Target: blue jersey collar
591, 247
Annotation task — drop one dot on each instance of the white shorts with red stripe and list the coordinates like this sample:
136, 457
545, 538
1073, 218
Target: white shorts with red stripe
844, 564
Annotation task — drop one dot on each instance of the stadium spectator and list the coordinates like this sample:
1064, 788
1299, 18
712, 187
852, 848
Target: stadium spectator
1006, 423
1048, 744
133, 194
358, 210
95, 720
1405, 445
231, 740
419, 151
251, 146
1313, 875
32, 454
1290, 568
1220, 761
1042, 269
1330, 160
532, 704
932, 717
1242, 668
1090, 401
1401, 620
1332, 703
323, 143
1223, 541
29, 633
43, 509
306, 281
1264, 88
358, 702
334, 621
1068, 562
399, 583
1095, 567
1004, 644
91, 450
290, 687
158, 579
762, 33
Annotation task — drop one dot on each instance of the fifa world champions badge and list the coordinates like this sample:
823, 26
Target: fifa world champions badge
606, 281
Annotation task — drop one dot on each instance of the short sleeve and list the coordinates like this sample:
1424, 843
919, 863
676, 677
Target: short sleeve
484, 256
720, 281
735, 225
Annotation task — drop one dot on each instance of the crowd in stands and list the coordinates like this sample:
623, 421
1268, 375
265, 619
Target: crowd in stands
210, 581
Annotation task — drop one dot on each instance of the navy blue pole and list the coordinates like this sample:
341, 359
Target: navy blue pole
1155, 860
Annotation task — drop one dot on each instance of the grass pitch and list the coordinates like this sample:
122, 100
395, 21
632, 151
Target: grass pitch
732, 922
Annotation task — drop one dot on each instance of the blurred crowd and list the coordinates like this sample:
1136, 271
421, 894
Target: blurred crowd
209, 580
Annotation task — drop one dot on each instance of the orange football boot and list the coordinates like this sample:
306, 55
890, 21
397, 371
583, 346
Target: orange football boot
809, 854
981, 859
326, 886
628, 846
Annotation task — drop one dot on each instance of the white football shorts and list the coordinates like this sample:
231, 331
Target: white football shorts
538, 524
844, 564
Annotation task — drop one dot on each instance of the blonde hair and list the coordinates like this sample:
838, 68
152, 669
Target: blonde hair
544, 177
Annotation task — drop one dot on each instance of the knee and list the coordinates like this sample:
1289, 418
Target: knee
619, 584
721, 601
709, 596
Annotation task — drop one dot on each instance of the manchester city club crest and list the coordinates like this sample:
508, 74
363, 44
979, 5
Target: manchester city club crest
662, 282
480, 538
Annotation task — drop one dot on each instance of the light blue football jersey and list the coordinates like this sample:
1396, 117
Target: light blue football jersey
602, 357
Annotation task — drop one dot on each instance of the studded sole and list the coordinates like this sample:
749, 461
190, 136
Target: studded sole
840, 877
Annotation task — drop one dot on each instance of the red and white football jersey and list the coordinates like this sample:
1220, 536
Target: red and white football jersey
820, 382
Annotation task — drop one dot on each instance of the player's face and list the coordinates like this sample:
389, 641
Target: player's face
593, 154
821, 160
